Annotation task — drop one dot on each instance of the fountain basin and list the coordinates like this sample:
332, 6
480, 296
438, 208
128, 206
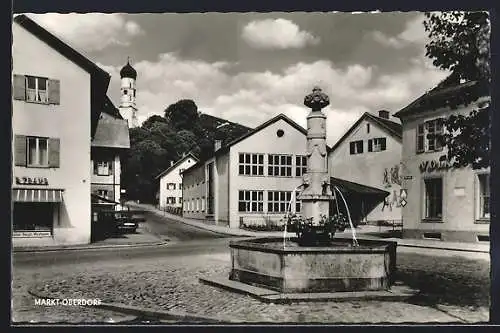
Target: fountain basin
339, 267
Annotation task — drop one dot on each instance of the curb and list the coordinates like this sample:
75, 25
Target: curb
142, 312
89, 247
443, 248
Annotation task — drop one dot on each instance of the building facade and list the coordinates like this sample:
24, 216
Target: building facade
443, 202
52, 123
249, 181
109, 145
170, 182
369, 153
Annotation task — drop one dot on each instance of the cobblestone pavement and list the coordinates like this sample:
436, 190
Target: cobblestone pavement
454, 289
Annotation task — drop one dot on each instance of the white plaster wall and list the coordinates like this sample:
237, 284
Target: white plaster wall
69, 121
368, 168
173, 176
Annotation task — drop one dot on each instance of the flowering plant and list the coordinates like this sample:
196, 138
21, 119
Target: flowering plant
324, 230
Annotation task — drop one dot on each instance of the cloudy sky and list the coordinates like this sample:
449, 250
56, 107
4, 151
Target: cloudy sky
249, 67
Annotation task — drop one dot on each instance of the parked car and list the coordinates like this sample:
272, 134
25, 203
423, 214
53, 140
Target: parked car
125, 222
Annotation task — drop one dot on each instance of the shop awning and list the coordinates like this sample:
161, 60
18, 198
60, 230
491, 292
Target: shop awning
37, 195
97, 199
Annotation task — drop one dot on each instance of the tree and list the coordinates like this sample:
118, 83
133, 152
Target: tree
182, 115
459, 42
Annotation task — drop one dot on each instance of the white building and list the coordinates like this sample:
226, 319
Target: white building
56, 104
446, 203
252, 179
369, 153
109, 144
170, 182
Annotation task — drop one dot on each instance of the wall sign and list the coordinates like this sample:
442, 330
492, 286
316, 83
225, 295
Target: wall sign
429, 166
31, 234
32, 181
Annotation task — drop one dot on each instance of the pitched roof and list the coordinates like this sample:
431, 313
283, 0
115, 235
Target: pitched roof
261, 127
59, 45
439, 96
391, 127
111, 132
271, 121
185, 157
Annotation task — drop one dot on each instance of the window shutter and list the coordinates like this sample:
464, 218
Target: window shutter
54, 146
351, 144
111, 168
95, 167
54, 92
383, 144
20, 150
19, 87
370, 145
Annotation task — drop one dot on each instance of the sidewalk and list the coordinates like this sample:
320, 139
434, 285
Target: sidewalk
141, 238
367, 231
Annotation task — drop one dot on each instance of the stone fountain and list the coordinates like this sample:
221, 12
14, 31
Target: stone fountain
316, 265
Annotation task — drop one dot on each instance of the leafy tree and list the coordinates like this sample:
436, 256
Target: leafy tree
182, 115
459, 42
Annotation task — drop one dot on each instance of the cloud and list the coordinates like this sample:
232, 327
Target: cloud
251, 98
91, 31
277, 34
414, 34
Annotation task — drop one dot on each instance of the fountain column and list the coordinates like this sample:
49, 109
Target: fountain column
317, 195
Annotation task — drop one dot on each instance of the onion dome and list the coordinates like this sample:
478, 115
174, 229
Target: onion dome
128, 71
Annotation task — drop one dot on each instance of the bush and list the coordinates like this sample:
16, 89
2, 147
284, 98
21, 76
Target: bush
263, 227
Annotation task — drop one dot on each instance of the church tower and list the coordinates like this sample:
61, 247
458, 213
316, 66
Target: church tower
128, 108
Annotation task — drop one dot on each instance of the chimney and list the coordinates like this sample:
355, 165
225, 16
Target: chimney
217, 145
383, 114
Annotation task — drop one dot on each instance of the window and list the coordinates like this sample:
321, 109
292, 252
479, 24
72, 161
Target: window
428, 136
203, 204
279, 165
180, 200
433, 198
300, 165
367, 128
23, 213
180, 186
38, 151
36, 89
377, 144
251, 164
171, 200
356, 147
170, 186
103, 193
251, 201
278, 201
181, 171
102, 168
483, 196
197, 204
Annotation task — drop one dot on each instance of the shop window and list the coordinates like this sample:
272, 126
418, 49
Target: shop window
38, 151
279, 165
251, 164
428, 136
356, 147
300, 165
377, 144
483, 196
251, 201
433, 198
103, 193
203, 204
29, 216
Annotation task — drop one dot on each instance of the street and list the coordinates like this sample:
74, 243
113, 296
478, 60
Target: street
454, 286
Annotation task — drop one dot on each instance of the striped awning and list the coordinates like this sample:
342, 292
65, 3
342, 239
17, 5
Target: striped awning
36, 195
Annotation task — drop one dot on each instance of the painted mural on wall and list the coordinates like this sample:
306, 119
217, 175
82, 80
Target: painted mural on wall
392, 177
